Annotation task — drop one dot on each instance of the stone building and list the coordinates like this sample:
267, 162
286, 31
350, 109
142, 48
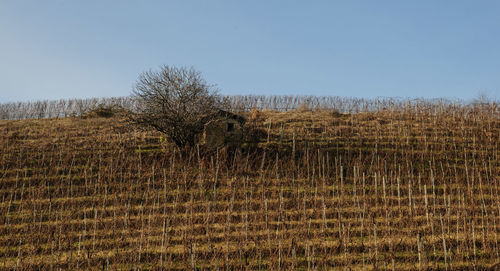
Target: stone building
225, 129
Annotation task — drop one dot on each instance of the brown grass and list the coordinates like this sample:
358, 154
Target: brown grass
400, 189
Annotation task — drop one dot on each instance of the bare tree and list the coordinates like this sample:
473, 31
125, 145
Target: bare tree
175, 101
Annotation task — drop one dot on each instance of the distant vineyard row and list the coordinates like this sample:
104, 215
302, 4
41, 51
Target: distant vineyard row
76, 107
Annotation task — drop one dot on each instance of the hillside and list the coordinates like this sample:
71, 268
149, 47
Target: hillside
396, 189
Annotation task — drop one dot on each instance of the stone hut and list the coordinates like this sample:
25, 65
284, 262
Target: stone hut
224, 129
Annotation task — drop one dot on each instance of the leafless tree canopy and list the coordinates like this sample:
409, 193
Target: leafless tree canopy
175, 101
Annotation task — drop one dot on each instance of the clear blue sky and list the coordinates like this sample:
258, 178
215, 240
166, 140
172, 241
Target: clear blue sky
63, 49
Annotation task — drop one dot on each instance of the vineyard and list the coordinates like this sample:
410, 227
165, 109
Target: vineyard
76, 107
394, 187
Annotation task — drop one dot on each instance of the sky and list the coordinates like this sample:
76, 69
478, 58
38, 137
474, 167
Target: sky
417, 49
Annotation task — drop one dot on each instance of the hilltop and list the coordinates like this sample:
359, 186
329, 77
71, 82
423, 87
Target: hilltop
405, 189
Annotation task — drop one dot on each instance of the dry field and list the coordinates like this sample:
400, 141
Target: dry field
398, 190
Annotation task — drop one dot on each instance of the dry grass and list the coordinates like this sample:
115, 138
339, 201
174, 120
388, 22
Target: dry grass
401, 190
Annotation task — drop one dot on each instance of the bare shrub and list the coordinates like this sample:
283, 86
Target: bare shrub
105, 111
175, 101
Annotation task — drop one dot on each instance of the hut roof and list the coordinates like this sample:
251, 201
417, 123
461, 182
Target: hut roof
230, 115
222, 114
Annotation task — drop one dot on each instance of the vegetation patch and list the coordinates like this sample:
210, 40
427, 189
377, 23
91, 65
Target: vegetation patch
402, 189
